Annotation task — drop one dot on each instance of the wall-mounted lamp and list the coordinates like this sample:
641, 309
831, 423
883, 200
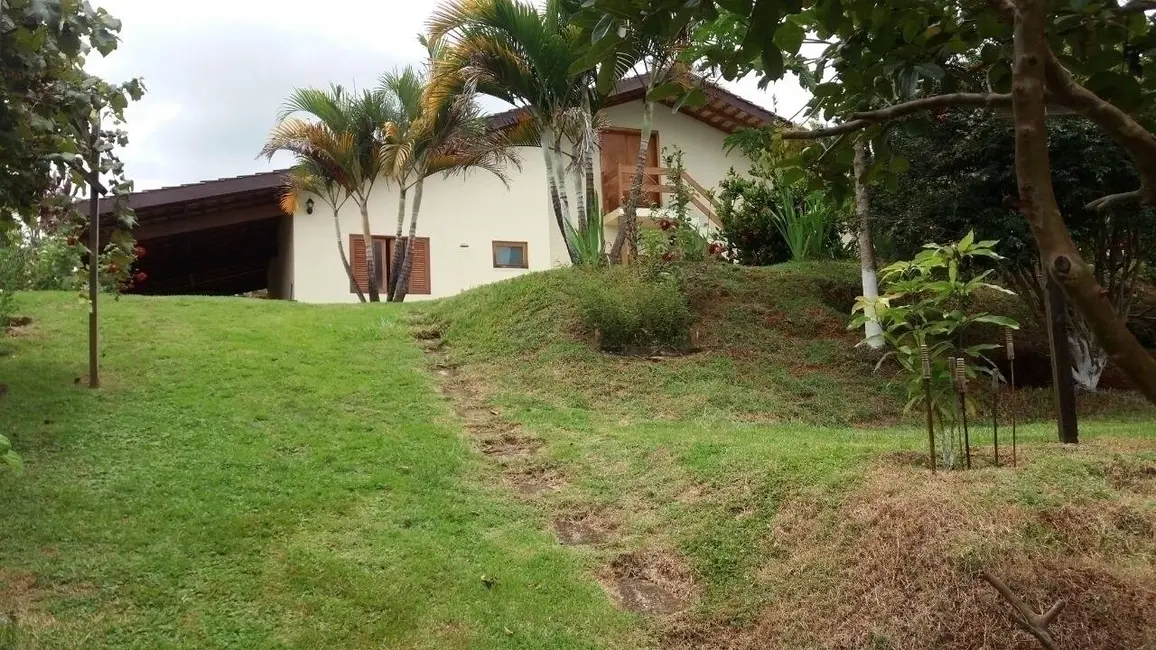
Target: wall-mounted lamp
309, 206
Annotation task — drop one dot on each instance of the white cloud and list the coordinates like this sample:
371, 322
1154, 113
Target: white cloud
217, 75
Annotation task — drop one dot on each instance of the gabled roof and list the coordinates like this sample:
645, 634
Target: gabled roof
723, 110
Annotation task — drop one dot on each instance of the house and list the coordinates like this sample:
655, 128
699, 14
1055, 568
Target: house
229, 236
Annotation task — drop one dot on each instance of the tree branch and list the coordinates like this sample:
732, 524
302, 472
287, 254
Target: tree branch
1032, 623
865, 119
1113, 200
1135, 139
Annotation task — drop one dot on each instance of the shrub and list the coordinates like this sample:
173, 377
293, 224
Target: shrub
749, 227
629, 310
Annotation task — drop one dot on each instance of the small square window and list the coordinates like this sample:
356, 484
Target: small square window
511, 255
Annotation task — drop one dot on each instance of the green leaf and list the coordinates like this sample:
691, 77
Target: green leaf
665, 91
772, 61
930, 71
789, 37
1002, 321
600, 52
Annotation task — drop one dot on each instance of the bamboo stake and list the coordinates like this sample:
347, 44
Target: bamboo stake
962, 387
926, 357
1011, 357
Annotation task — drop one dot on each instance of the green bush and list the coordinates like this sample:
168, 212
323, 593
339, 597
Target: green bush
750, 229
628, 310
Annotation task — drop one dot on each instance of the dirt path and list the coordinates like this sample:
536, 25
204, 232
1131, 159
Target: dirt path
648, 581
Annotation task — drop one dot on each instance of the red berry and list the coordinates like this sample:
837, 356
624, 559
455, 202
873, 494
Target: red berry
140, 276
665, 224
112, 267
139, 251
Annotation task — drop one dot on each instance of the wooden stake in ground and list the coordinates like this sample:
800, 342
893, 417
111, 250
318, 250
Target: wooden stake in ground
93, 254
926, 357
961, 385
995, 414
1033, 623
1064, 385
1011, 362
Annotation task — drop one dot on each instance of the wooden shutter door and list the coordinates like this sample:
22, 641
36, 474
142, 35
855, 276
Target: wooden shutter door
357, 261
419, 281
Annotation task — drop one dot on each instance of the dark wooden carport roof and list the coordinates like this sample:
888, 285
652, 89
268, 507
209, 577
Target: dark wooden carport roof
211, 237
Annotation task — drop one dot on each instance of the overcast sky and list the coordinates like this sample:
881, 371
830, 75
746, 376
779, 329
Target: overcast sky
216, 76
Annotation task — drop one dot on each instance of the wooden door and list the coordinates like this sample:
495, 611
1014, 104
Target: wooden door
620, 148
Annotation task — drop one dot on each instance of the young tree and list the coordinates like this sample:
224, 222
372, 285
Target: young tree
344, 138
867, 267
1086, 58
59, 122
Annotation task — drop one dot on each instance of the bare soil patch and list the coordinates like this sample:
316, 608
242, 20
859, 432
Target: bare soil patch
585, 526
22, 597
654, 583
509, 445
535, 481
897, 564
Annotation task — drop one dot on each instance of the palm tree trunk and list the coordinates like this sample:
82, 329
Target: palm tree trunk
628, 223
345, 258
578, 169
399, 248
873, 332
370, 257
588, 163
555, 200
407, 264
559, 171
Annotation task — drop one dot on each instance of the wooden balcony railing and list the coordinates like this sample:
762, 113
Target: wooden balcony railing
655, 183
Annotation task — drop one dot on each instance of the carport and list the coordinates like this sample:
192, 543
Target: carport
221, 237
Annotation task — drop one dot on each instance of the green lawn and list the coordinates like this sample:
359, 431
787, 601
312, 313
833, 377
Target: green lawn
260, 474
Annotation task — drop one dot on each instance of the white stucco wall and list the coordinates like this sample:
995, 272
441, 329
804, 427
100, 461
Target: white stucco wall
462, 217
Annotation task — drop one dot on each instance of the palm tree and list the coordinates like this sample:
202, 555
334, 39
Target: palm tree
355, 122
442, 132
521, 54
405, 87
306, 177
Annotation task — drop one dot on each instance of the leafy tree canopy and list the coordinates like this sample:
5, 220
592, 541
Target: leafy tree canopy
47, 100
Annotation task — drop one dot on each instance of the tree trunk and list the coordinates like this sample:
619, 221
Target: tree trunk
872, 331
397, 256
345, 258
407, 264
1088, 359
592, 202
628, 223
559, 171
370, 256
581, 202
555, 200
1038, 203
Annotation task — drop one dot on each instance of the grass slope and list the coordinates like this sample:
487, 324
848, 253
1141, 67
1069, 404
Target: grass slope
259, 474
787, 527
776, 349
